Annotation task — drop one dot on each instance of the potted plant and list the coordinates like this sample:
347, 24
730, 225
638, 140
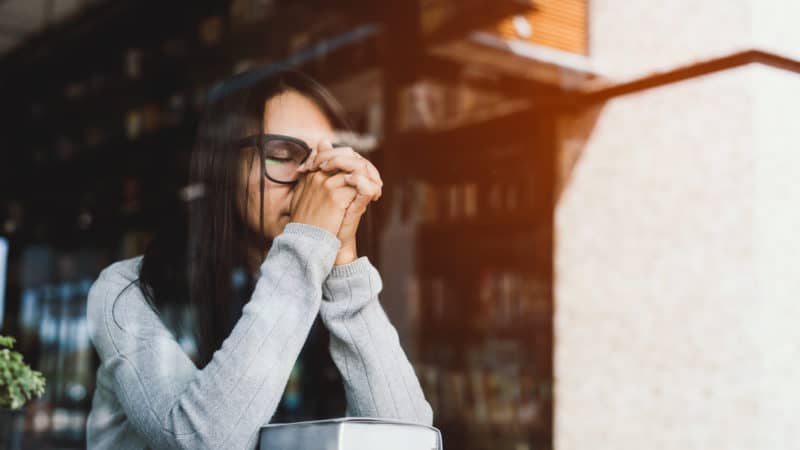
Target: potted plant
18, 384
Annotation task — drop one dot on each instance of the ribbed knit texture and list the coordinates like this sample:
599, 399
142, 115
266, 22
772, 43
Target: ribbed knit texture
149, 393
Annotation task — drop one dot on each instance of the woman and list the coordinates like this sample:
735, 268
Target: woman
292, 228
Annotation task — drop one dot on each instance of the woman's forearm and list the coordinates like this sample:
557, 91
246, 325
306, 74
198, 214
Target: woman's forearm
379, 380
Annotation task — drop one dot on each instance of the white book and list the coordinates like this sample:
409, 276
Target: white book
350, 433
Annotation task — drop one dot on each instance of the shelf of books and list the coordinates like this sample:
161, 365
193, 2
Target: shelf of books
478, 195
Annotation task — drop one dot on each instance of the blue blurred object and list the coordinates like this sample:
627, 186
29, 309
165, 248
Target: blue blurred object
3, 259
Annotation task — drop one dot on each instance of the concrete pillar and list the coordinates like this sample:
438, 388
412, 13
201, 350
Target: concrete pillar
677, 285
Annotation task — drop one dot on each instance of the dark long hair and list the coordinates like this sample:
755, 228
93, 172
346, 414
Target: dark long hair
203, 262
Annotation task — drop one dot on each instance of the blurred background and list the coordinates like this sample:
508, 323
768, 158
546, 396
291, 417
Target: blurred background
587, 236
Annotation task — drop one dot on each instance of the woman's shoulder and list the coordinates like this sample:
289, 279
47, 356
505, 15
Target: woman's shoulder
111, 282
124, 270
115, 299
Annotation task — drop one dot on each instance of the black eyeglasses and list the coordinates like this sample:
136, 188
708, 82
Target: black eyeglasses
281, 155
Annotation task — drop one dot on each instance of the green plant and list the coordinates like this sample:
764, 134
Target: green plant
18, 382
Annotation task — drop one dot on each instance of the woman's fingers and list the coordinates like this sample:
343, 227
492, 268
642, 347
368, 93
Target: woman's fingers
344, 159
359, 204
330, 181
322, 200
364, 185
324, 146
351, 164
330, 160
327, 151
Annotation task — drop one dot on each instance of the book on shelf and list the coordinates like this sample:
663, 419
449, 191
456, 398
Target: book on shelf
350, 433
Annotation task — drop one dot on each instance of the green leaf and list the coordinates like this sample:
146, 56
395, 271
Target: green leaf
18, 382
7, 341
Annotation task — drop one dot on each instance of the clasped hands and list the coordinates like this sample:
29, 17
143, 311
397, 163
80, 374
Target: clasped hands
335, 186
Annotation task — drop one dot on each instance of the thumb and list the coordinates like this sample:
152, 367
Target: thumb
354, 212
360, 203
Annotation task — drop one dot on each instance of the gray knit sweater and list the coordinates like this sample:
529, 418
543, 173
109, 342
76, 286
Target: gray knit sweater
151, 395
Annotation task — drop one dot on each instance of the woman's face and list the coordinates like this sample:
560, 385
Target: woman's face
292, 114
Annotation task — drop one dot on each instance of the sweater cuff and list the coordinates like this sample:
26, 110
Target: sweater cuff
355, 267
314, 232
356, 283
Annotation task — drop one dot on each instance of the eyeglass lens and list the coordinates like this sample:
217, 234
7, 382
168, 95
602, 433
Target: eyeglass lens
282, 158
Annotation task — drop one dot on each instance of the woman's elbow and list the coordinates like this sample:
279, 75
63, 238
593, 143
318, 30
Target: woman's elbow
426, 416
186, 431
423, 414
195, 441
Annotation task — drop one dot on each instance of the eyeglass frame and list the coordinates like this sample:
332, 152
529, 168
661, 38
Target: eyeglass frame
259, 141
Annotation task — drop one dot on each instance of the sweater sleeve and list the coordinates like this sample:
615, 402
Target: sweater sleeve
171, 403
379, 380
